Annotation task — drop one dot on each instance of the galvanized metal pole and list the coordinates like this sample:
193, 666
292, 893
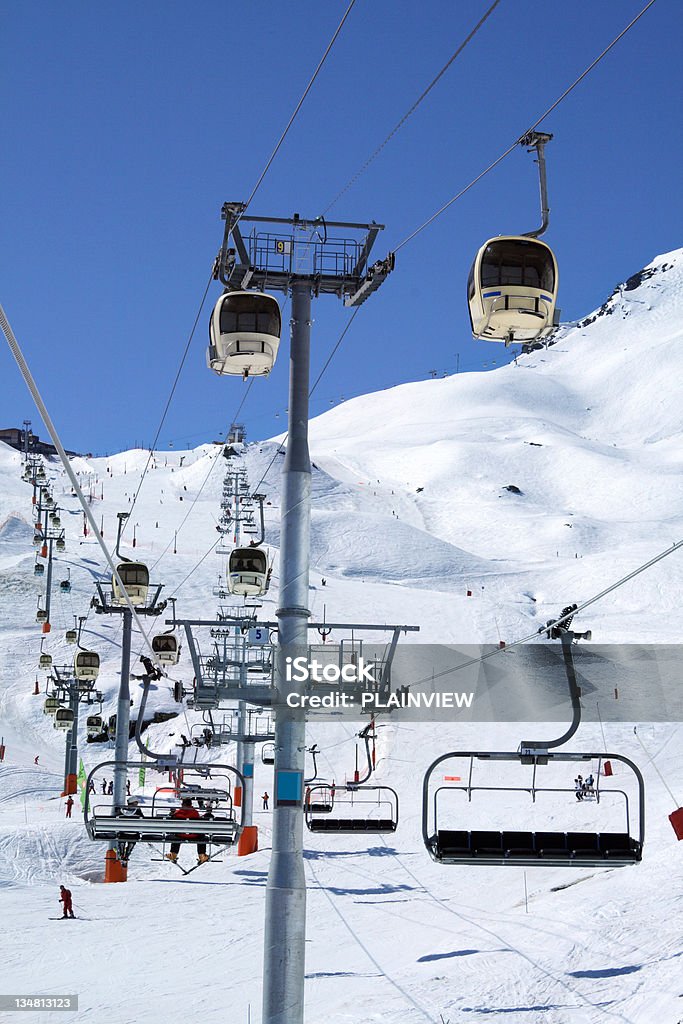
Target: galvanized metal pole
285, 930
123, 717
73, 742
48, 585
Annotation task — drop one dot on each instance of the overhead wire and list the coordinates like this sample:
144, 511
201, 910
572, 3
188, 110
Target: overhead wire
412, 109
531, 128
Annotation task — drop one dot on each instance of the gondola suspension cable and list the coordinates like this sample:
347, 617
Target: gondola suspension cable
296, 110
352, 181
531, 128
211, 277
152, 450
676, 803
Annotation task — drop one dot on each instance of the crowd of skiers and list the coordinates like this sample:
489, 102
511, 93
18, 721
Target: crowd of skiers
584, 787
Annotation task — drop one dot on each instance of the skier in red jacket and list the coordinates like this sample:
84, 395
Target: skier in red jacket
187, 811
65, 898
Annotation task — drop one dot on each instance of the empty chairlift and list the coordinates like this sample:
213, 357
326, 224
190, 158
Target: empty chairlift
248, 572
166, 648
268, 753
135, 578
86, 666
512, 290
599, 833
244, 334
351, 809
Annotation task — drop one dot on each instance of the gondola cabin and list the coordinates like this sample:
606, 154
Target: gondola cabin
39, 569
60, 544
248, 572
71, 636
244, 334
64, 719
86, 665
94, 726
135, 578
50, 706
65, 586
512, 290
45, 661
166, 648
55, 521
41, 615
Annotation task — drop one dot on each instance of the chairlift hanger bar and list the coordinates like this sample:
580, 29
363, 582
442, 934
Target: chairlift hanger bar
274, 625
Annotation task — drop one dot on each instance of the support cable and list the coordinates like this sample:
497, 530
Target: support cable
677, 803
168, 403
531, 128
352, 181
52, 430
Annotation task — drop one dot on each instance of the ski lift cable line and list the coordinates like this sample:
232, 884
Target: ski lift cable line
213, 465
555, 622
52, 430
168, 402
352, 181
677, 803
535, 125
297, 109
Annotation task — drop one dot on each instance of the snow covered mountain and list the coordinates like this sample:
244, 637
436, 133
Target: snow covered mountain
531, 486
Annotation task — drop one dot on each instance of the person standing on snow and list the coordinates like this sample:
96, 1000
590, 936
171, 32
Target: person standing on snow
65, 898
265, 799
69, 805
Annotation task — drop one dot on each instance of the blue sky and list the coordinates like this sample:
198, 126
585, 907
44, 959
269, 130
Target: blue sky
125, 128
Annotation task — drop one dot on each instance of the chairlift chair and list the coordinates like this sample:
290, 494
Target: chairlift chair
135, 578
512, 289
357, 809
156, 824
86, 665
455, 843
268, 753
248, 572
244, 334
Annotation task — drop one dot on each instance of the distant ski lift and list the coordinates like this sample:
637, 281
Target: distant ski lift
55, 521
71, 636
48, 501
135, 578
51, 706
60, 544
39, 569
41, 615
248, 572
512, 289
45, 660
447, 812
351, 809
166, 648
244, 334
86, 665
40, 473
37, 539
268, 753
64, 719
94, 726
65, 585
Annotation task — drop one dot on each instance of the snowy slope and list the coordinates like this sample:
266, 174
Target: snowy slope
589, 432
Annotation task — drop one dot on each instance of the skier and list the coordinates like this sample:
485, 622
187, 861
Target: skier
578, 787
589, 786
110, 788
69, 805
187, 811
104, 787
65, 898
35, 759
265, 799
127, 787
91, 788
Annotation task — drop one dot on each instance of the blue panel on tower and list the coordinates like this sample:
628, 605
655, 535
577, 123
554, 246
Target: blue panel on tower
289, 788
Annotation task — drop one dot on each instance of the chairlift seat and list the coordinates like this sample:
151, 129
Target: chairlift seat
161, 829
552, 849
346, 825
